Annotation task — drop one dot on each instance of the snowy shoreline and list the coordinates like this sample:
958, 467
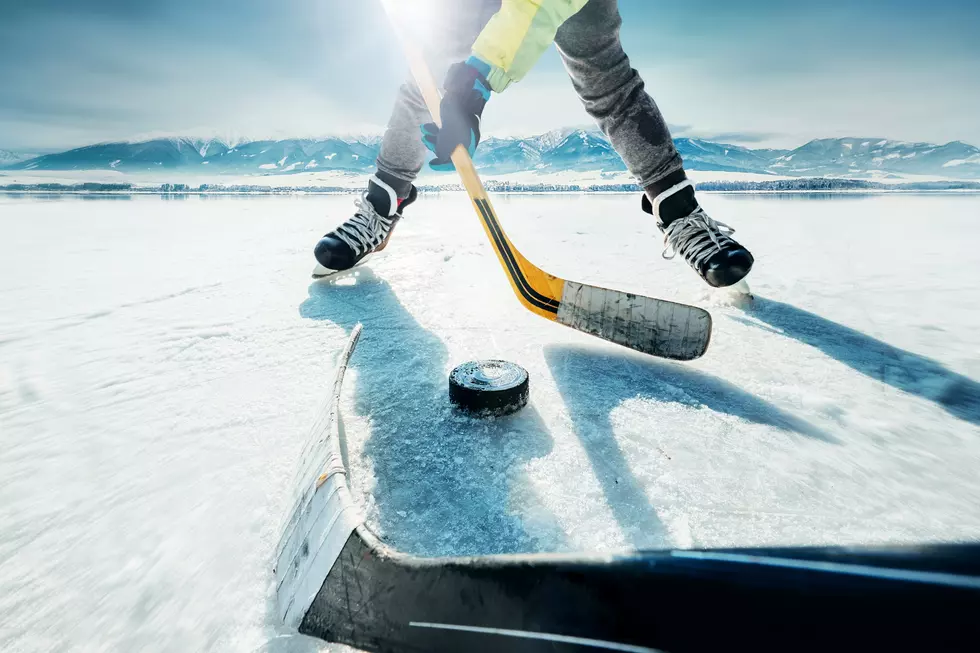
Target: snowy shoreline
821, 185
40, 192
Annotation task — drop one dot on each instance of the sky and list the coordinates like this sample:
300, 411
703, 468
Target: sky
755, 72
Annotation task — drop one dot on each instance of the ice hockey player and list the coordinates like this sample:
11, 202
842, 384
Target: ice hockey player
492, 44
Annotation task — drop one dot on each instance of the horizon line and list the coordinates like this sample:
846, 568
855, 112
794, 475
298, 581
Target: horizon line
352, 136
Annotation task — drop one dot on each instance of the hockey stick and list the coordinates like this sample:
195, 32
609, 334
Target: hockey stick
653, 326
335, 580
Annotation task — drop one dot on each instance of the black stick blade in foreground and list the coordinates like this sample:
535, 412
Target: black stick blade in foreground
337, 582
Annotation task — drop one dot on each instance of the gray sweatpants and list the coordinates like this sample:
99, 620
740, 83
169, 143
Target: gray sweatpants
611, 90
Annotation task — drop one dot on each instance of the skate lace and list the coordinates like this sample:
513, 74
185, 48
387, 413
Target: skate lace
367, 229
696, 238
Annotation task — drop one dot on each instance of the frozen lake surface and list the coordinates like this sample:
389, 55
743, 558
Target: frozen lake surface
162, 360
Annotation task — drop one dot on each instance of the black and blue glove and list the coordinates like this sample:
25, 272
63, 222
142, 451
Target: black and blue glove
467, 93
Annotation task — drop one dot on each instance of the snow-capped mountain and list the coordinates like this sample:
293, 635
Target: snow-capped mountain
211, 146
292, 155
583, 150
8, 158
550, 140
259, 157
706, 155
857, 156
169, 153
507, 155
556, 151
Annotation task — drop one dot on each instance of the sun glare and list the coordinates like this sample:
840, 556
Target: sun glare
420, 18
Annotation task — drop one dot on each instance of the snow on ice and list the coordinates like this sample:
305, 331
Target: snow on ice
162, 360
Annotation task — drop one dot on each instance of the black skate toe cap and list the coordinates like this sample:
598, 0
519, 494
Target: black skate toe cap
334, 254
728, 267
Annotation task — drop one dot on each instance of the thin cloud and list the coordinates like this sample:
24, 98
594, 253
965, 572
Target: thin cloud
757, 72
742, 138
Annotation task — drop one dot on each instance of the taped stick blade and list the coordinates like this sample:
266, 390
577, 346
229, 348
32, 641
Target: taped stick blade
653, 326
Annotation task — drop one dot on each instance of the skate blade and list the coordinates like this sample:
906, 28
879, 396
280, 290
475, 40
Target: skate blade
738, 295
353, 277
741, 288
320, 272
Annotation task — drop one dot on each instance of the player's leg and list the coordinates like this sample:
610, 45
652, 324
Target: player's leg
614, 95
446, 32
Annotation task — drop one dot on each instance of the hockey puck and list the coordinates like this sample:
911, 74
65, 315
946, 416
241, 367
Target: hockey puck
490, 387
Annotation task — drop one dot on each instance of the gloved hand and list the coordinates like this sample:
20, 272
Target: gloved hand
467, 92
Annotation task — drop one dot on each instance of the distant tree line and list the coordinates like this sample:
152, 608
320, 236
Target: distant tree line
784, 185
821, 184
60, 188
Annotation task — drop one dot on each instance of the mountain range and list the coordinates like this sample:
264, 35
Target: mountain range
559, 151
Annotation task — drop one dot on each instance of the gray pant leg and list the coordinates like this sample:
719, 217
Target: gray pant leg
402, 152
452, 28
612, 92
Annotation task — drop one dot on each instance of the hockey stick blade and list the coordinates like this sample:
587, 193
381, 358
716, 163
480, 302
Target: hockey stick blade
323, 514
336, 581
652, 326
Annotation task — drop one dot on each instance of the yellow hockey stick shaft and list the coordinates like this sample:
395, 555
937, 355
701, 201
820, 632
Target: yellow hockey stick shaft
539, 291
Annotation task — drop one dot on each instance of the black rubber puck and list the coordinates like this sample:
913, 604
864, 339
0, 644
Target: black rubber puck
490, 387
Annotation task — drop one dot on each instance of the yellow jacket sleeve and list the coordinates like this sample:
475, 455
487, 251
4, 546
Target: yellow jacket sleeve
517, 36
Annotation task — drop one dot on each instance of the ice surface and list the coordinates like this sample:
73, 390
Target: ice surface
161, 361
